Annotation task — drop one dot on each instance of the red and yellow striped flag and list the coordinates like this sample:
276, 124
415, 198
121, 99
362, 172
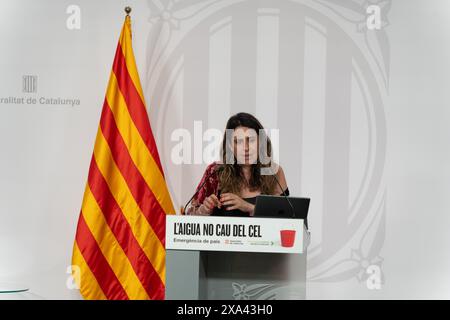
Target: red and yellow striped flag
120, 241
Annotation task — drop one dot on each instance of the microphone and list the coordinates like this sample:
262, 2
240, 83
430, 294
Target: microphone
216, 170
285, 196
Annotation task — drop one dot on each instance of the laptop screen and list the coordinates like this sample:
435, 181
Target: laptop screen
280, 207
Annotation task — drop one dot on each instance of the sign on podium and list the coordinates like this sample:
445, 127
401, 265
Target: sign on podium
237, 234
211, 257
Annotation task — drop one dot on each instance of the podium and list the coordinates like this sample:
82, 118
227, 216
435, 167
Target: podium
249, 260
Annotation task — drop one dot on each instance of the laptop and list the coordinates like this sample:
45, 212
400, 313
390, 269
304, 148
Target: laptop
278, 207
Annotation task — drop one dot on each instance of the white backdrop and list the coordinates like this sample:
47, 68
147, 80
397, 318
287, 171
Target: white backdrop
362, 116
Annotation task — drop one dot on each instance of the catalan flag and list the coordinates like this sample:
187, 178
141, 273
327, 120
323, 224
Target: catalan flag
119, 248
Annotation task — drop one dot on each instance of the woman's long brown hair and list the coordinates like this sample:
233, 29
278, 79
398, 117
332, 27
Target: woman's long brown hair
231, 177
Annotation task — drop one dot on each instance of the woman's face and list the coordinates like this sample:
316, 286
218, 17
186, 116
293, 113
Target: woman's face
245, 143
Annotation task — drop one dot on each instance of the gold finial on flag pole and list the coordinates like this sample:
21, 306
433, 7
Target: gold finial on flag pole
127, 10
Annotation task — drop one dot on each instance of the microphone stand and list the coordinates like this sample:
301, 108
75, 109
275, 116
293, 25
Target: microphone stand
285, 196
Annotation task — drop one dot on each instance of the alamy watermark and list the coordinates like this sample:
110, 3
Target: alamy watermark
373, 282
242, 146
73, 21
374, 17
74, 279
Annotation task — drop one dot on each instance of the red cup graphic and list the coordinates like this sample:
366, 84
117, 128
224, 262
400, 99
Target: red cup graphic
287, 238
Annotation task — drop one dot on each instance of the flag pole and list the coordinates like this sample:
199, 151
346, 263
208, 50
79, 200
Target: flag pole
128, 10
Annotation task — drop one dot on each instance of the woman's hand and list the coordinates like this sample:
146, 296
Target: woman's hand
209, 204
233, 201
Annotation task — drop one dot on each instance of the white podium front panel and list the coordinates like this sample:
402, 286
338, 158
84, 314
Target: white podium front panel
205, 233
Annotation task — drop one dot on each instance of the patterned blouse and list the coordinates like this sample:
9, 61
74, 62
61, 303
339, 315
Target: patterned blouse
210, 182
211, 186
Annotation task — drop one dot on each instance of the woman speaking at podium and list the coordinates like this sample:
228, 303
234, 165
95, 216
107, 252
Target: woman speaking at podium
230, 188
